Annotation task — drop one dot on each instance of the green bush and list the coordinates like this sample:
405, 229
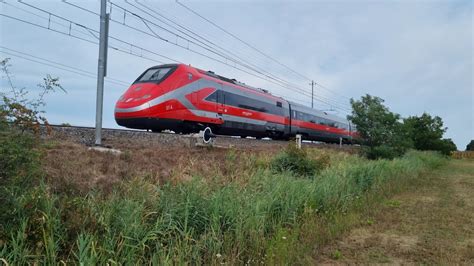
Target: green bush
297, 161
18, 157
382, 152
19, 168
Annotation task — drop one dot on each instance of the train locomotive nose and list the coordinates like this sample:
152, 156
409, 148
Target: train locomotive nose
132, 108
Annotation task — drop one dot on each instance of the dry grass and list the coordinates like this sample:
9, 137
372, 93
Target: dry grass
462, 154
72, 167
432, 223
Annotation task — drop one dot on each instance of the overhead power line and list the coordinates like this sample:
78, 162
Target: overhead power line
131, 49
256, 49
261, 75
92, 31
153, 34
199, 38
60, 66
241, 40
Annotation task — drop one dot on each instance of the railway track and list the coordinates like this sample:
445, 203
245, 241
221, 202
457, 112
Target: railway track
117, 137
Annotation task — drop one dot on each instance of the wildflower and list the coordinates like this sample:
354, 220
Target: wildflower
218, 255
283, 237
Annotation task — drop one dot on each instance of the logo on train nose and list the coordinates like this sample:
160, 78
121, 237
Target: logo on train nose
137, 88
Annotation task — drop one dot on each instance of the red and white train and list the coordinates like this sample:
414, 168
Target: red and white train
185, 99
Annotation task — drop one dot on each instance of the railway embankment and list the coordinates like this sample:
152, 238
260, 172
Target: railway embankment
119, 138
170, 204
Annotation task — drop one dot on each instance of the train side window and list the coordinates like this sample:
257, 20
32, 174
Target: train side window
279, 104
212, 97
221, 96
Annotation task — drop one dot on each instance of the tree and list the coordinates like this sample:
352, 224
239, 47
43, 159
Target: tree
446, 146
381, 130
20, 110
426, 133
470, 146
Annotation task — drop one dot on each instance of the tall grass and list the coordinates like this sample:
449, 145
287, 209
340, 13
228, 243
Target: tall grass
199, 221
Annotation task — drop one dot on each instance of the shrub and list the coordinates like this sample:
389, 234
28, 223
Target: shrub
382, 152
297, 161
445, 146
470, 146
18, 156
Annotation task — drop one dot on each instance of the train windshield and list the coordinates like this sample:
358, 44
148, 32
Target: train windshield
154, 75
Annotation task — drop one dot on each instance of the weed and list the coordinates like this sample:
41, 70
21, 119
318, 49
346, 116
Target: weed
393, 203
336, 255
297, 161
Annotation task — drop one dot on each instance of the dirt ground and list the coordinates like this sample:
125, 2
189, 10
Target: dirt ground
430, 224
74, 168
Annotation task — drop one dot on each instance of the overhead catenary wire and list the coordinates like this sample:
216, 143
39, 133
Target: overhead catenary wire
197, 37
155, 35
68, 27
255, 48
210, 43
60, 64
128, 43
97, 32
241, 40
81, 72
128, 50
265, 77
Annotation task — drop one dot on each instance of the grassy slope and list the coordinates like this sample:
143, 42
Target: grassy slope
244, 214
431, 223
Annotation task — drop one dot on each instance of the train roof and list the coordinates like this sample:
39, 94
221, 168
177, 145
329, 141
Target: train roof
298, 107
225, 79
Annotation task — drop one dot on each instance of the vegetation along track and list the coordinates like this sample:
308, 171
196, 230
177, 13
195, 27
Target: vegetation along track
63, 202
430, 223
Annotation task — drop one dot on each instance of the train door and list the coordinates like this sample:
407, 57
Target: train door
290, 118
220, 102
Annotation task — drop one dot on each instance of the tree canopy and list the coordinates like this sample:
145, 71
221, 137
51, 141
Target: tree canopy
470, 146
427, 132
386, 135
380, 129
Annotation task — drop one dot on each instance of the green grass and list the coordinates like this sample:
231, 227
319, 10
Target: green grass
261, 218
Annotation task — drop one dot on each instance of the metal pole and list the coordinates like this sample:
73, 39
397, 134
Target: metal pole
312, 93
101, 70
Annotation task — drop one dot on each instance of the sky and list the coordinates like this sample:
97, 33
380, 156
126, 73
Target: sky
416, 55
